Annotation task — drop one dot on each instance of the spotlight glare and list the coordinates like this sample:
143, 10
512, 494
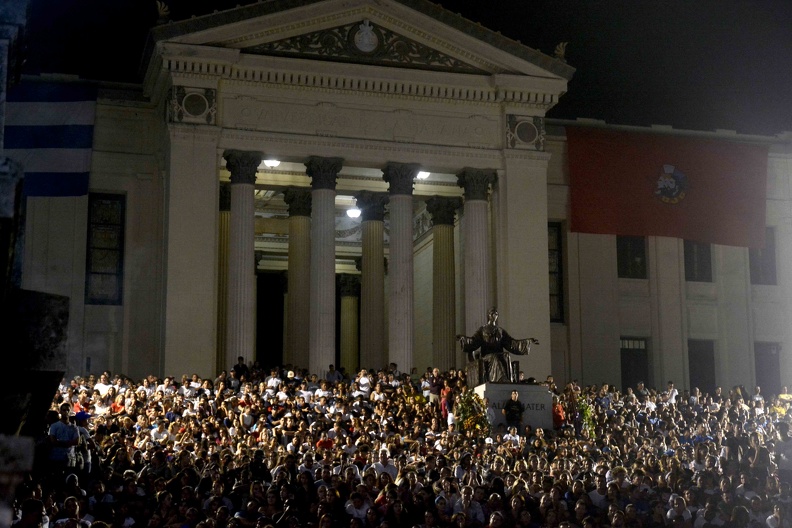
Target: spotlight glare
353, 213
271, 163
422, 175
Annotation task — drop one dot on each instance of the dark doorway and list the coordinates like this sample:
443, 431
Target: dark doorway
269, 318
634, 362
701, 365
768, 368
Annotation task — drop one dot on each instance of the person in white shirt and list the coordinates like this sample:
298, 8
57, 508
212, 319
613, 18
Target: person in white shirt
378, 395
273, 380
304, 392
308, 464
384, 464
160, 434
349, 446
167, 386
512, 436
103, 385
363, 381
393, 382
671, 393
323, 391
355, 392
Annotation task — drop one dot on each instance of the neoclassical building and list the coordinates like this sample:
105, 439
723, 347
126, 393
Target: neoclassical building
229, 171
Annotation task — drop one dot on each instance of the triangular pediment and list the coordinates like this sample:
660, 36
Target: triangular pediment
413, 34
364, 43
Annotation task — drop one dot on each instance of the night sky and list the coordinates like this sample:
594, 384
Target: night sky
701, 64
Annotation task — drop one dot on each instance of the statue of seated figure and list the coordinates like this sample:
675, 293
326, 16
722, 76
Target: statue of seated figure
494, 346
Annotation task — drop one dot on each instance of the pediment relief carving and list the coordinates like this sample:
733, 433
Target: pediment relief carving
367, 43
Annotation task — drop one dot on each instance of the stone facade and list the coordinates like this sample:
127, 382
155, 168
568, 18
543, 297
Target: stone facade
232, 83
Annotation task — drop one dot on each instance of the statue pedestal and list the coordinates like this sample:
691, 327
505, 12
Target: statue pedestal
537, 399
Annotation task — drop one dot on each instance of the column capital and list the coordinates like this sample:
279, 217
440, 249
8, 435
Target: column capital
443, 209
476, 182
323, 171
400, 176
242, 164
299, 200
225, 196
371, 205
348, 285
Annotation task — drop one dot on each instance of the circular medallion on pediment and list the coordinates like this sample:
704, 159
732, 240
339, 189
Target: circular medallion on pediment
365, 38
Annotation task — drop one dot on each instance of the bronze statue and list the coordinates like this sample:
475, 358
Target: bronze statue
495, 346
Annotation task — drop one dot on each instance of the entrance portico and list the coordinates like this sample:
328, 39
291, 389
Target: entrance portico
350, 130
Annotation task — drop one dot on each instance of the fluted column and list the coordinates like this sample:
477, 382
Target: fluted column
223, 234
240, 340
287, 361
442, 210
349, 289
475, 232
299, 300
400, 176
323, 173
372, 280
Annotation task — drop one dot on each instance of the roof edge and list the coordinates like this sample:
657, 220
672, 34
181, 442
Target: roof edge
436, 11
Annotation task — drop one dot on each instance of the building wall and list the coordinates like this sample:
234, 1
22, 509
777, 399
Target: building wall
123, 338
666, 309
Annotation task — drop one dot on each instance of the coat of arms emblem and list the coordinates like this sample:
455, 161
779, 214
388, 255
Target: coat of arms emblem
671, 185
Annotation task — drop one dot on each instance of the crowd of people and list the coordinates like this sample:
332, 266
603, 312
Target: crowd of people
281, 448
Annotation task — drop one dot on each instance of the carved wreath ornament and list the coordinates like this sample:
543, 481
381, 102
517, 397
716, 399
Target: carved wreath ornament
364, 42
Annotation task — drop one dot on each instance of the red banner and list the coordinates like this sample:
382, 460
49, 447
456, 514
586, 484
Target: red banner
643, 184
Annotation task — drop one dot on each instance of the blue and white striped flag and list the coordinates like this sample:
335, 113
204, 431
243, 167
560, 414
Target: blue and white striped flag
49, 130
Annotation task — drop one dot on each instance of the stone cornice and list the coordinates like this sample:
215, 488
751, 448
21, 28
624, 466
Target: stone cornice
352, 78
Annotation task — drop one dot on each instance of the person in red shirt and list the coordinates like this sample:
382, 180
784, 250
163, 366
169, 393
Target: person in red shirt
559, 416
324, 443
82, 403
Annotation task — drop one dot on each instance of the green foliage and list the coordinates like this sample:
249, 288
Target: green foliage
471, 414
586, 414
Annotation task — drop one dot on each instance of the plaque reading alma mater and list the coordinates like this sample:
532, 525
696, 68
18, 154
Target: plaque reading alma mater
494, 376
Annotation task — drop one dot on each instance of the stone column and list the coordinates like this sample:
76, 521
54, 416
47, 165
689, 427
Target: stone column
400, 176
475, 233
223, 237
349, 289
286, 361
241, 331
299, 301
444, 343
323, 173
372, 280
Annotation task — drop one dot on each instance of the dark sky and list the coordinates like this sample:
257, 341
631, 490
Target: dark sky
701, 64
